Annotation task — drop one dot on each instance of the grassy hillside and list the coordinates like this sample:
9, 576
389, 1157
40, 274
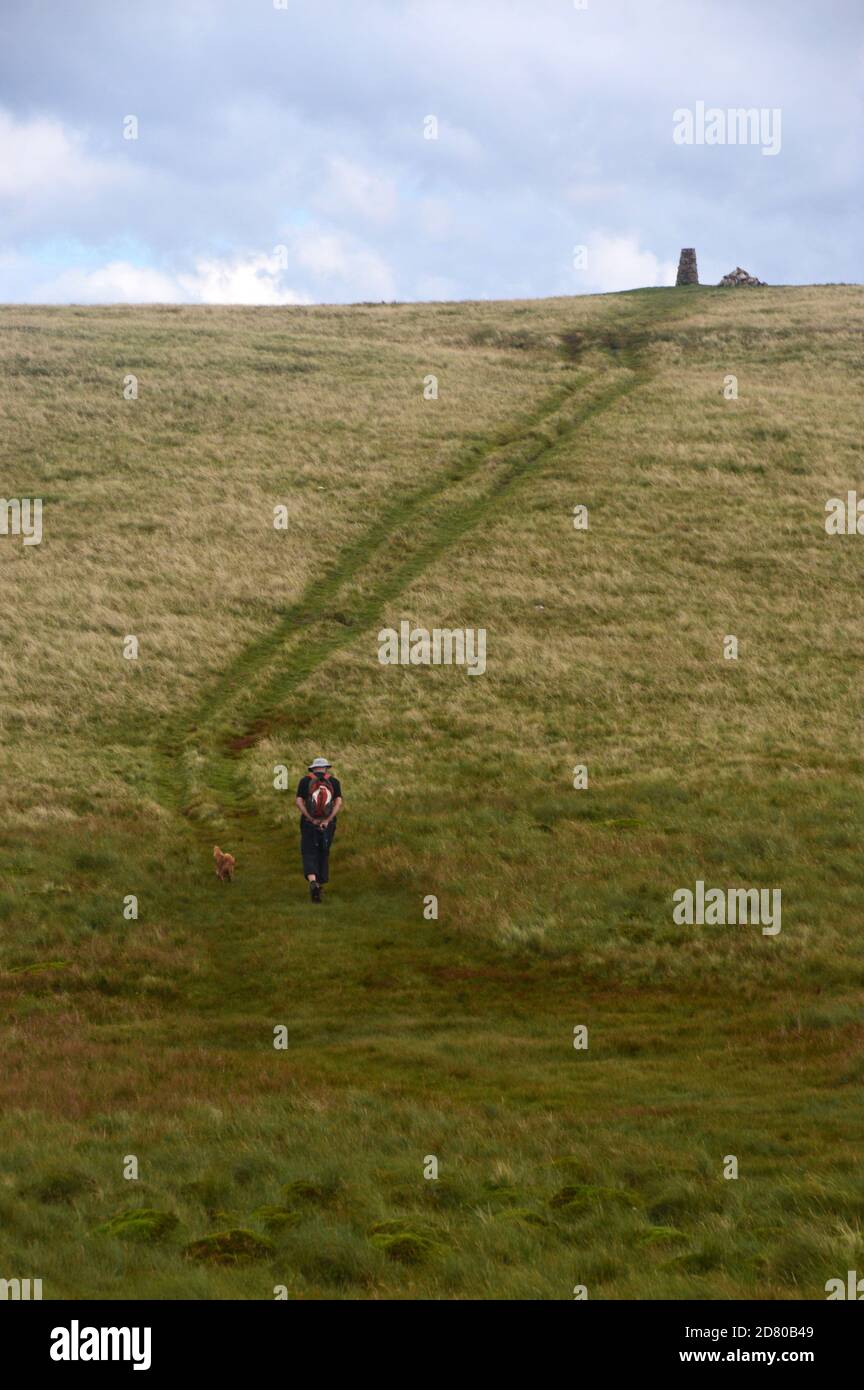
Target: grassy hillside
258, 648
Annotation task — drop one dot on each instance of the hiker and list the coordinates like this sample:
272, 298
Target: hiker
319, 800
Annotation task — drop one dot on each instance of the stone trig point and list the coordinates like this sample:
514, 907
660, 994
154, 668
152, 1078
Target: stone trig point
687, 271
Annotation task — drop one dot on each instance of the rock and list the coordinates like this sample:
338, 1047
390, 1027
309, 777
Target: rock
688, 274
740, 277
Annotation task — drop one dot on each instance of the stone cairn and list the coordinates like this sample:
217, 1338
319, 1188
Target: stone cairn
740, 277
687, 272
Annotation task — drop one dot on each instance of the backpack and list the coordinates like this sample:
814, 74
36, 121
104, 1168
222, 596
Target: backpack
319, 797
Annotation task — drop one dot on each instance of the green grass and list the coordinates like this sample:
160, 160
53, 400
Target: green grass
261, 1168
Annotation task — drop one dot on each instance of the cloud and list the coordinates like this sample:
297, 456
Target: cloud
339, 262
115, 283
305, 127
619, 263
253, 280
353, 189
43, 157
436, 218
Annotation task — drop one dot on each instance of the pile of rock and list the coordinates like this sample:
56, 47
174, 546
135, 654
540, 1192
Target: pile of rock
740, 277
687, 271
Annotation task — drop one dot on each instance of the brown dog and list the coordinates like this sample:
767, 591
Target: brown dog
224, 865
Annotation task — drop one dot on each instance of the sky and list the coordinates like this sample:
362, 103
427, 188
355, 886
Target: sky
336, 151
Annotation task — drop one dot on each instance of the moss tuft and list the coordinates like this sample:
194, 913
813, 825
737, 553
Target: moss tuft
61, 1186
579, 1196
229, 1248
277, 1218
140, 1224
399, 1242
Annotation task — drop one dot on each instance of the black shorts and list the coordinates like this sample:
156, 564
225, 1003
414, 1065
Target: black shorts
315, 849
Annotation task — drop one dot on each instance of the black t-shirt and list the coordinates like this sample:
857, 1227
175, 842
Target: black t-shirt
303, 790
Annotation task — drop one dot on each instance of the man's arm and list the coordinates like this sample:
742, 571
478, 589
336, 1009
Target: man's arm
301, 807
337, 807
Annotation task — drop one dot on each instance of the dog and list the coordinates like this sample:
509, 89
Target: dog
224, 865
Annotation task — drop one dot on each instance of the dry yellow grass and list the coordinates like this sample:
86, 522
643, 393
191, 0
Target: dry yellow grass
259, 648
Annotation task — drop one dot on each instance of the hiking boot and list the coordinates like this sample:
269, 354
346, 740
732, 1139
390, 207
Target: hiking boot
315, 892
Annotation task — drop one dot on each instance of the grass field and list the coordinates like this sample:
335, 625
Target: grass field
410, 1037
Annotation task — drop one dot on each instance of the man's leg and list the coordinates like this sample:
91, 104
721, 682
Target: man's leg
325, 840
309, 855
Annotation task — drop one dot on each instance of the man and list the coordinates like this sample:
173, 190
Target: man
319, 800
